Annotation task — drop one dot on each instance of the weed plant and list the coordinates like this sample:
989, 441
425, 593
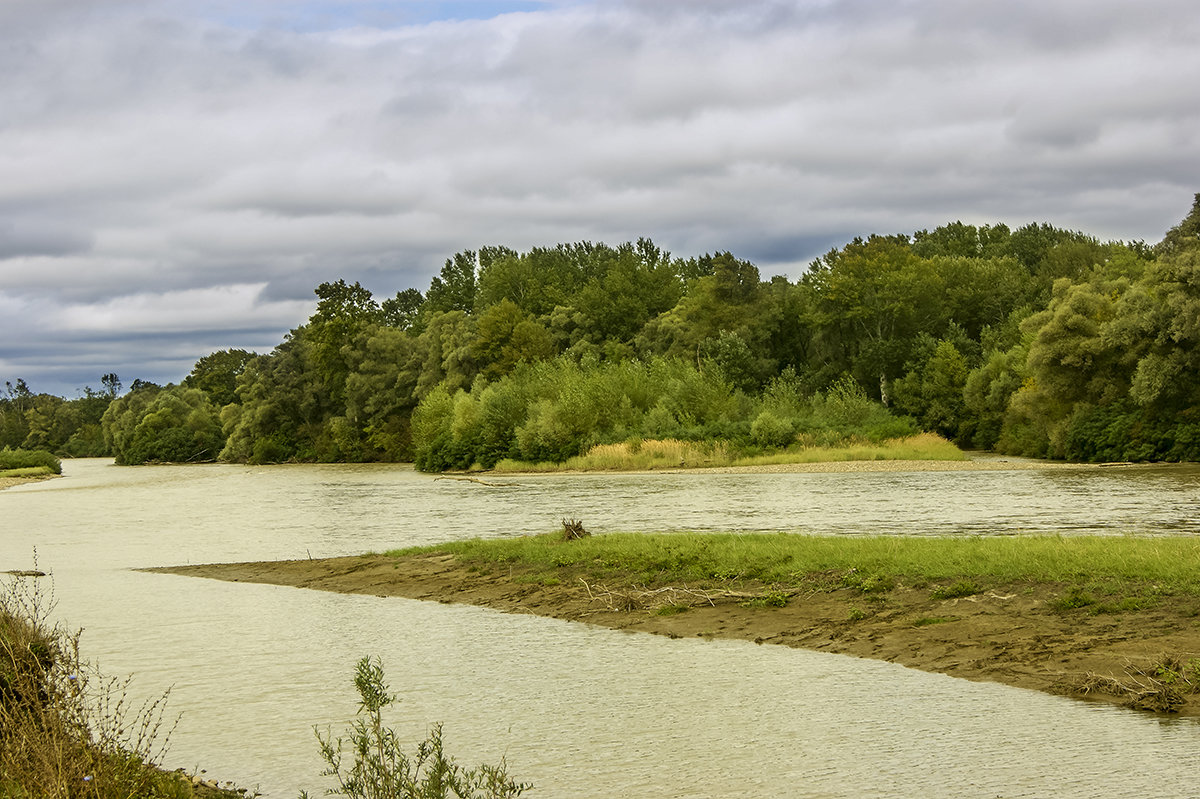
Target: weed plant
382, 770
66, 731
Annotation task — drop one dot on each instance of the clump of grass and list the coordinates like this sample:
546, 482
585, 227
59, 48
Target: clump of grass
868, 583
1074, 598
773, 598
856, 614
671, 610
381, 769
64, 729
955, 590
1129, 604
926, 621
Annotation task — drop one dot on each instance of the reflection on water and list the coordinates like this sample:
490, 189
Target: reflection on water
581, 711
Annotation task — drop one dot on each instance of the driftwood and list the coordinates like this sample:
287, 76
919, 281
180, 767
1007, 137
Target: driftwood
573, 529
475, 480
641, 598
1161, 687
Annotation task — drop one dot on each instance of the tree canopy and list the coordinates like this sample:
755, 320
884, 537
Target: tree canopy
1035, 341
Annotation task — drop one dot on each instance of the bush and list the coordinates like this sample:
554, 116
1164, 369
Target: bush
29, 459
768, 430
381, 770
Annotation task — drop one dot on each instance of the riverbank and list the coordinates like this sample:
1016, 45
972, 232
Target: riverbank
9, 478
1124, 630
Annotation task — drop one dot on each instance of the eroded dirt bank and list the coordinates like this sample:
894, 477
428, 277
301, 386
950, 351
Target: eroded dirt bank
1008, 634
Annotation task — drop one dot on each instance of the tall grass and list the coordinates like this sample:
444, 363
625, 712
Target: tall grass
1160, 566
66, 731
650, 454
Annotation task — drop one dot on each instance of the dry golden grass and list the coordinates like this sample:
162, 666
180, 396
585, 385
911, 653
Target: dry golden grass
639, 455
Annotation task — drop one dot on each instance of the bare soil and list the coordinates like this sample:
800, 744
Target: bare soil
1008, 634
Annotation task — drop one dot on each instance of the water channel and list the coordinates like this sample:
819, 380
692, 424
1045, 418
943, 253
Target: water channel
579, 711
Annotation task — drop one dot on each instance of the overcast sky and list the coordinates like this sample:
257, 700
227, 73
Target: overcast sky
176, 177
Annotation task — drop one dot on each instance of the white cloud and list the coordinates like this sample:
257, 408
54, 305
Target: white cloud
151, 157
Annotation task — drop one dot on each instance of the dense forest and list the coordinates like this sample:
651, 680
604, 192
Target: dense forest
1036, 341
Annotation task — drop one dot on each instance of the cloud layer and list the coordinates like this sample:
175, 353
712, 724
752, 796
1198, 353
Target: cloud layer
171, 183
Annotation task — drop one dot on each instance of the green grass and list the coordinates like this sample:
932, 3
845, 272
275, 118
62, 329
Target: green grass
649, 455
1113, 565
28, 471
956, 589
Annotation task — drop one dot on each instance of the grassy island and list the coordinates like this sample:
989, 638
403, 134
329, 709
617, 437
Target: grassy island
1115, 619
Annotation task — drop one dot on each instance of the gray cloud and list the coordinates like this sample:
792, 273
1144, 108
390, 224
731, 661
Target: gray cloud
157, 158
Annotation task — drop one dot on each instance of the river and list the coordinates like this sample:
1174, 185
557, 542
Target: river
579, 711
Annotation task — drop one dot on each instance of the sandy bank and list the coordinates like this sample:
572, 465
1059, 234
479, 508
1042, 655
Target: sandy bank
9, 482
1009, 634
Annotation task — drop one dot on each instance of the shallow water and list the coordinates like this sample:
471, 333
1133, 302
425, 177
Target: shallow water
580, 711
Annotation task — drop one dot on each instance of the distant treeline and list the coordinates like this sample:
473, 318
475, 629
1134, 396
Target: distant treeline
1035, 341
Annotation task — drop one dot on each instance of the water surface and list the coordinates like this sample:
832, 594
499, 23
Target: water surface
580, 711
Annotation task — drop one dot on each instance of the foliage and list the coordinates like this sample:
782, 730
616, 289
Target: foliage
1032, 340
217, 375
65, 730
382, 770
26, 459
175, 424
65, 427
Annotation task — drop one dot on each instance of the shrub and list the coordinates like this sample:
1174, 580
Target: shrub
29, 459
769, 430
381, 770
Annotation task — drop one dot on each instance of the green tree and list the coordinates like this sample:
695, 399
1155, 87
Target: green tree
870, 301
344, 313
217, 375
506, 336
403, 310
174, 424
455, 287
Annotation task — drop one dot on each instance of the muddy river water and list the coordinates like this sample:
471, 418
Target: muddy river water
577, 710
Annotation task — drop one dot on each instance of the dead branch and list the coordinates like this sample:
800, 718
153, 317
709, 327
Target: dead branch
475, 480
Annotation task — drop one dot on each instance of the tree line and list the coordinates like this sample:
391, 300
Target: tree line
1033, 341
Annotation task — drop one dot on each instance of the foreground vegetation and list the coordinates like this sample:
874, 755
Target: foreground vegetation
380, 768
1089, 571
28, 463
65, 731
1033, 341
